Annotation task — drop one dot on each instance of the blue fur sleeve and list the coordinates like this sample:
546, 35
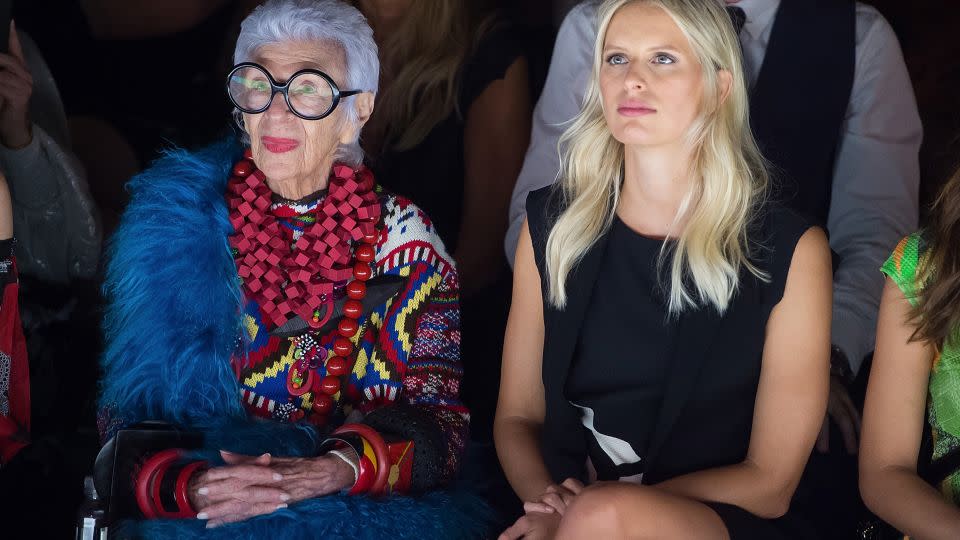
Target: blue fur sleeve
173, 296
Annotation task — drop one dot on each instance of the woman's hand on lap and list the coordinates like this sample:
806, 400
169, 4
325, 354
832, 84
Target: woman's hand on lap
243, 488
533, 526
556, 497
306, 478
249, 486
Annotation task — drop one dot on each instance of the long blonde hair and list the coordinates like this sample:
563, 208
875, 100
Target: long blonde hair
430, 47
729, 176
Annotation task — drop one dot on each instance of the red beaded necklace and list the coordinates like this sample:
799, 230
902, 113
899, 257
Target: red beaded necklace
298, 279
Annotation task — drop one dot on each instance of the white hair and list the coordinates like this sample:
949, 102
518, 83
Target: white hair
284, 21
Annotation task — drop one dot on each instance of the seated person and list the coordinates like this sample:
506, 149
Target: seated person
57, 222
916, 370
277, 290
679, 324
456, 150
14, 369
36, 485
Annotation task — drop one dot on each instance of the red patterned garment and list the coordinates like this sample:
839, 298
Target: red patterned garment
405, 372
14, 370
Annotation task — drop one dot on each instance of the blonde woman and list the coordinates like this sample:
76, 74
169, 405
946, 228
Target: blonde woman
450, 130
670, 330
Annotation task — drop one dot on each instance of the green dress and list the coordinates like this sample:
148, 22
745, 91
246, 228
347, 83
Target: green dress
944, 387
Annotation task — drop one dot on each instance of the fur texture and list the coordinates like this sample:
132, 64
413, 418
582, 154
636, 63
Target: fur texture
174, 295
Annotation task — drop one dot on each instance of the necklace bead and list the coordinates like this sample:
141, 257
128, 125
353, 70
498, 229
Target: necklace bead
294, 274
356, 290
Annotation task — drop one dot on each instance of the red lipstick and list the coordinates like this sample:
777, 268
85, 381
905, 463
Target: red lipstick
279, 145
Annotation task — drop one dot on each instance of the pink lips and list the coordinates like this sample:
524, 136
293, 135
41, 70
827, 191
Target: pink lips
627, 110
279, 145
635, 108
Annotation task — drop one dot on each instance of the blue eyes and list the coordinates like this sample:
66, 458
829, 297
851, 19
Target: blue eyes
660, 58
616, 59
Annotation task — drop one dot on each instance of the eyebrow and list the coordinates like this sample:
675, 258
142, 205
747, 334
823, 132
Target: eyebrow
654, 48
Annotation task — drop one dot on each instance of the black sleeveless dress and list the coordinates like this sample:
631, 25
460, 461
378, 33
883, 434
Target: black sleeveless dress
646, 396
619, 389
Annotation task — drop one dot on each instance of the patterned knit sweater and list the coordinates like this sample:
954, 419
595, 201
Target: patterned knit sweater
408, 353
183, 346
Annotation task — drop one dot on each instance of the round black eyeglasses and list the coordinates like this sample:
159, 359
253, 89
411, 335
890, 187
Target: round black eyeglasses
310, 93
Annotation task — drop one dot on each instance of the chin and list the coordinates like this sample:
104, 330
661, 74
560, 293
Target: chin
274, 171
276, 165
634, 133
633, 138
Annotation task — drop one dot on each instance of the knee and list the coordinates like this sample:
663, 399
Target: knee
601, 511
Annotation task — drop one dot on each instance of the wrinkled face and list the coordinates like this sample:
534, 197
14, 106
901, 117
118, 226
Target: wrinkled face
284, 145
651, 83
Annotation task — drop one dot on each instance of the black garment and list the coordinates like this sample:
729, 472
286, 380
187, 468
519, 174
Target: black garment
738, 17
708, 395
166, 88
623, 387
432, 175
799, 102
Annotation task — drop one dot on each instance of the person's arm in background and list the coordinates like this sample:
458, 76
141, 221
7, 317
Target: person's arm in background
495, 138
893, 420
6, 213
875, 197
559, 103
876, 183
57, 223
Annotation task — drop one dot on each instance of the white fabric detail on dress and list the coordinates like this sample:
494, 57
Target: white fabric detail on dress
619, 450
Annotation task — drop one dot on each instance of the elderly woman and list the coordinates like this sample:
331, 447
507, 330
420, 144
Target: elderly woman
284, 286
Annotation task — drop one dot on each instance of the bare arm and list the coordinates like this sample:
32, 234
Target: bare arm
893, 427
791, 398
6, 210
495, 138
521, 409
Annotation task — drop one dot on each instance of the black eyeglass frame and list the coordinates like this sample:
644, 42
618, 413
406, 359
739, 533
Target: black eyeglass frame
276, 88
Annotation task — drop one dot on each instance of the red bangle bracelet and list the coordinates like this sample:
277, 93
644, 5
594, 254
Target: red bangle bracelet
155, 482
380, 453
365, 476
145, 479
180, 493
149, 480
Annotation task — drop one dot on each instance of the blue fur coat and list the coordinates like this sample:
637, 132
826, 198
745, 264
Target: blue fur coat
171, 328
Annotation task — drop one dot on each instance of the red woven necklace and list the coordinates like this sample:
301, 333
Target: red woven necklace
298, 279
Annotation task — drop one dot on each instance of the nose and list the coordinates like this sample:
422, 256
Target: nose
635, 78
278, 107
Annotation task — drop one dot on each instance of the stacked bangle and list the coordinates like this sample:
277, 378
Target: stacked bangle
374, 457
348, 461
157, 487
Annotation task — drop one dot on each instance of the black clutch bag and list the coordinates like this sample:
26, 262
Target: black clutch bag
121, 462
